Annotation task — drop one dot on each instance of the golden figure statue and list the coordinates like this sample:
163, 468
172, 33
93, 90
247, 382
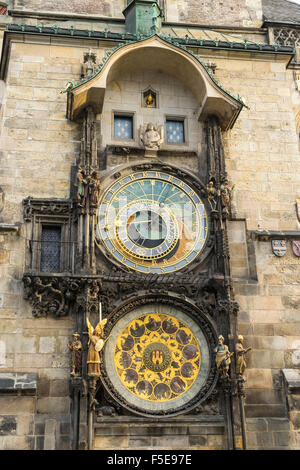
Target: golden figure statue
96, 343
240, 363
222, 357
150, 101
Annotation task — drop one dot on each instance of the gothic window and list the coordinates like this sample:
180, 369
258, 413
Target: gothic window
50, 249
51, 246
123, 126
175, 131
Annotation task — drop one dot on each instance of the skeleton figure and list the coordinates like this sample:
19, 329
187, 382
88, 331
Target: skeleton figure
213, 195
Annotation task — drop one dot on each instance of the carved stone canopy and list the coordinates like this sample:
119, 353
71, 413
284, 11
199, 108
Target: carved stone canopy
152, 54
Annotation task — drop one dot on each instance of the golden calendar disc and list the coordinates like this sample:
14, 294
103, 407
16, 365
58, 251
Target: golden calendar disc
157, 357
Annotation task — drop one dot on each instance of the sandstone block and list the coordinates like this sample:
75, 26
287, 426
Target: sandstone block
259, 378
47, 345
49, 405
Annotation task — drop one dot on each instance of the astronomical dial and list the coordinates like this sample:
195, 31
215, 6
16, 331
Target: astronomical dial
152, 222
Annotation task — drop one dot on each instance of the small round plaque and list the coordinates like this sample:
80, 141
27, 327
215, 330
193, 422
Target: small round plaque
157, 357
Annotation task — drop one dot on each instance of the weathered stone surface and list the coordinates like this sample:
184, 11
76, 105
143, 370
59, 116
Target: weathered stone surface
8, 425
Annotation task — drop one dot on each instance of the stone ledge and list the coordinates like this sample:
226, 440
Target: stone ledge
14, 382
6, 228
292, 380
203, 420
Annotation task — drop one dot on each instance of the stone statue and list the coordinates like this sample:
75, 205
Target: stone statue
151, 136
226, 192
81, 188
76, 348
213, 195
240, 363
222, 357
89, 64
94, 188
96, 343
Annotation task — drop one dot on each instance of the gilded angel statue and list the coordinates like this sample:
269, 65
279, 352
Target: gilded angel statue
96, 343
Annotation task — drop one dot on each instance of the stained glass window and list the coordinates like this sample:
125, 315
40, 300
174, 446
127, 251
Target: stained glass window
175, 131
123, 127
50, 250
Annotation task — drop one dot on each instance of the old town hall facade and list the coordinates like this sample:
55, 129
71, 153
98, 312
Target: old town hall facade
149, 224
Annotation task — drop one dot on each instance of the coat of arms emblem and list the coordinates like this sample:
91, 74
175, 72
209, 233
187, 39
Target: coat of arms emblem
298, 208
279, 247
296, 247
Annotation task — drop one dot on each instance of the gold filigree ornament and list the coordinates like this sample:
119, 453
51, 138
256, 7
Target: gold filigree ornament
157, 357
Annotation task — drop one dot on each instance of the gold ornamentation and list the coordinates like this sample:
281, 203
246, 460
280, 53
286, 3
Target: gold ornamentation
240, 351
157, 357
96, 343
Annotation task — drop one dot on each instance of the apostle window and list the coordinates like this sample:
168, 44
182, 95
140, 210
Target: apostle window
175, 131
123, 126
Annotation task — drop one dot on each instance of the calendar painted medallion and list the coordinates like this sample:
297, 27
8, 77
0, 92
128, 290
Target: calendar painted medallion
157, 357
157, 360
152, 222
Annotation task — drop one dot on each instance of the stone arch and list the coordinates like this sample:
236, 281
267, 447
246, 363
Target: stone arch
156, 53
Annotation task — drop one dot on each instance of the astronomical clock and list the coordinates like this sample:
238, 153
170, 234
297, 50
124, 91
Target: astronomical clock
153, 223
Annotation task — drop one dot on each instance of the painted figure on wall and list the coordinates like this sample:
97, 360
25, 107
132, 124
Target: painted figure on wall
96, 343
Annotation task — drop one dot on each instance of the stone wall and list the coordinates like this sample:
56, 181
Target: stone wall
133, 433
174, 101
217, 12
263, 162
38, 148
94, 7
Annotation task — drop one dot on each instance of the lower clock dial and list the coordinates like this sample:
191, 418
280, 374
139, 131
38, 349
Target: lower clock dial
157, 360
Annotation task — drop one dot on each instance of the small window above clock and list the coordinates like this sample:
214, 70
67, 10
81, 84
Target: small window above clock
123, 126
175, 131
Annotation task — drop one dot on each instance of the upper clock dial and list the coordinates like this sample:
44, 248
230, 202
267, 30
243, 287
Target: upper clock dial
152, 222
